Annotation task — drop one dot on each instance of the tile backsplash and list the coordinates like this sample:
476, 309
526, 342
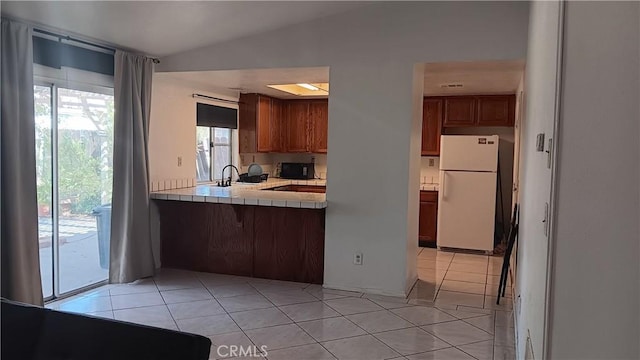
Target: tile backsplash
170, 184
429, 170
270, 162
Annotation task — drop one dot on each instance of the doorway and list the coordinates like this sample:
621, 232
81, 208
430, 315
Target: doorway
74, 175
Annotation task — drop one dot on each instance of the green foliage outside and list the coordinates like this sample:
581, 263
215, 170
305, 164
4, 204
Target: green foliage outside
84, 156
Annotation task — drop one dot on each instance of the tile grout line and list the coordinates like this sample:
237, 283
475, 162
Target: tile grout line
228, 315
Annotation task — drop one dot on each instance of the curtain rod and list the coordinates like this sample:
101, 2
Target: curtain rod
214, 98
67, 37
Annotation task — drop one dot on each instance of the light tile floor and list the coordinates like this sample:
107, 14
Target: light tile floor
450, 313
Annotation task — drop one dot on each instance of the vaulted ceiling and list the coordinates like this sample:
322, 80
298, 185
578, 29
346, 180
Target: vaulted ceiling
166, 27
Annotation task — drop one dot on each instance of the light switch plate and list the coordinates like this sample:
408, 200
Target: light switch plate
540, 142
357, 259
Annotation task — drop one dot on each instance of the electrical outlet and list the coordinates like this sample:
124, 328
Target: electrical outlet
357, 259
432, 162
179, 161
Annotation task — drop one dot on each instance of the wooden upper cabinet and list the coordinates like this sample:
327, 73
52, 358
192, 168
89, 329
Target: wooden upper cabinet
276, 125
459, 111
247, 122
431, 126
261, 123
319, 125
273, 125
480, 110
496, 110
263, 129
297, 129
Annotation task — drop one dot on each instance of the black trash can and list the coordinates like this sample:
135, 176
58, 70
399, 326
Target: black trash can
103, 219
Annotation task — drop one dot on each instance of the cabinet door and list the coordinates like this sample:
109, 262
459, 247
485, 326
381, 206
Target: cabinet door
297, 131
319, 122
230, 248
496, 110
431, 126
459, 111
276, 121
428, 220
264, 124
247, 135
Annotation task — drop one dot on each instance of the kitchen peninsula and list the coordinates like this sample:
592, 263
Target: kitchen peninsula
245, 229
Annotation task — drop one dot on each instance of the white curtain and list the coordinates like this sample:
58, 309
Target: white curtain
18, 210
131, 248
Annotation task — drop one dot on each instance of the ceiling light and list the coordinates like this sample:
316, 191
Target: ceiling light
308, 86
304, 89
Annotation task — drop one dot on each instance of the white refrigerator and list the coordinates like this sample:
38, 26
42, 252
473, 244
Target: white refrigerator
467, 196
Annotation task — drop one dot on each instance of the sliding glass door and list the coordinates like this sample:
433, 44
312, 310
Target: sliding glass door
74, 147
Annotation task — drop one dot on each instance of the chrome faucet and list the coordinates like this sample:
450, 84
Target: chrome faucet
222, 183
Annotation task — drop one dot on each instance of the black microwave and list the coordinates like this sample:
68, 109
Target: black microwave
299, 171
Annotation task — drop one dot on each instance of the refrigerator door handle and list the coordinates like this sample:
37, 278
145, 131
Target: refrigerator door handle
444, 181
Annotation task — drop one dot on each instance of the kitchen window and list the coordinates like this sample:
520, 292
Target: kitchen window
213, 152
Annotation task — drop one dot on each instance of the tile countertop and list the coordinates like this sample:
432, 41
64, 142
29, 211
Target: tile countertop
429, 187
249, 194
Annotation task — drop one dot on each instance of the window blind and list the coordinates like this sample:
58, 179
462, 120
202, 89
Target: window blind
216, 116
56, 54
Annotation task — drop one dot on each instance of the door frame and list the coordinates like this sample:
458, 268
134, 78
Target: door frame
54, 84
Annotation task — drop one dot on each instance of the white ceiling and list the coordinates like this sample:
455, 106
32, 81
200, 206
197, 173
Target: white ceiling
495, 77
487, 77
166, 27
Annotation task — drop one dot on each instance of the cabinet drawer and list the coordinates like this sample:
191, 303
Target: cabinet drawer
428, 196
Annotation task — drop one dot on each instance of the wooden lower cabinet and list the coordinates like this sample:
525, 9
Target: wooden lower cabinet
428, 220
258, 241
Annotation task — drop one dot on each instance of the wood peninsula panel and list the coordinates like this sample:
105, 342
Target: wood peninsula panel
313, 256
278, 250
230, 243
176, 247
203, 237
289, 244
259, 241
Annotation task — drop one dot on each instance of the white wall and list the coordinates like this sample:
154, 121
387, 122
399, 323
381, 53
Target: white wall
374, 119
429, 174
595, 287
172, 131
535, 177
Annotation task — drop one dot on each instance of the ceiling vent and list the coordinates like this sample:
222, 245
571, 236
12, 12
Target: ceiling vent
451, 86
